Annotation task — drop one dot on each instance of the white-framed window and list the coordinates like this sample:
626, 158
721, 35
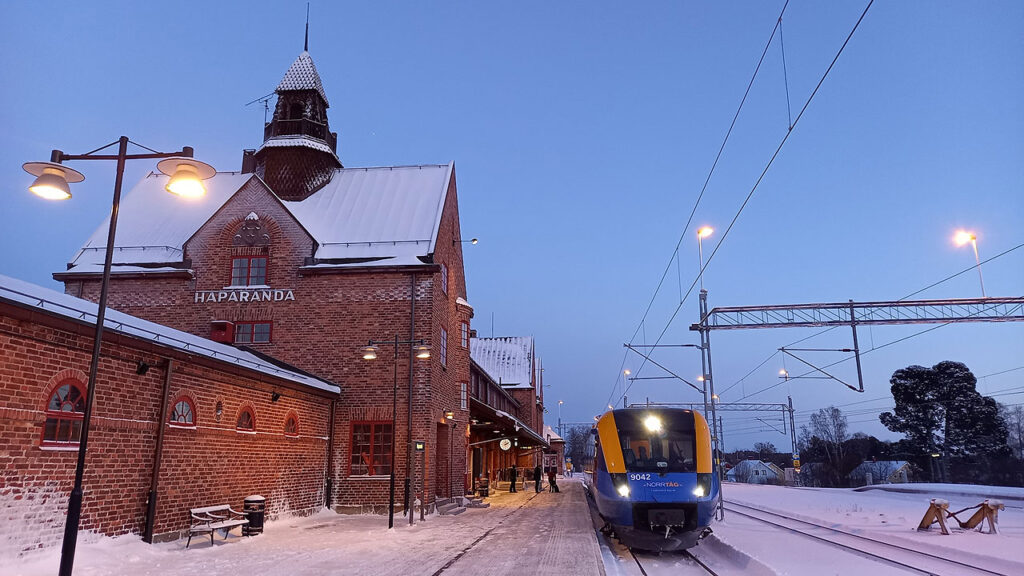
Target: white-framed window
465, 335
444, 347
463, 397
444, 278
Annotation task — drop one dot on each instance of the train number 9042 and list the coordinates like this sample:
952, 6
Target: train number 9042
639, 476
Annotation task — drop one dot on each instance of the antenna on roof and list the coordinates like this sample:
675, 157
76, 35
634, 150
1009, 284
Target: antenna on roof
266, 107
305, 47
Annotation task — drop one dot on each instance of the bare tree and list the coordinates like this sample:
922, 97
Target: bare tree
579, 445
764, 449
829, 424
1014, 418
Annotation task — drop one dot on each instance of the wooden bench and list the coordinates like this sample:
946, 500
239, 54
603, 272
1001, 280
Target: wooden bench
213, 518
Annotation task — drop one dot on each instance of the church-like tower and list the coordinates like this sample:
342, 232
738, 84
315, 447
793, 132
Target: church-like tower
299, 152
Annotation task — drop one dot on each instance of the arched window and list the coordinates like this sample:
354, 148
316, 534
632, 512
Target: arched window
246, 420
183, 413
291, 425
64, 412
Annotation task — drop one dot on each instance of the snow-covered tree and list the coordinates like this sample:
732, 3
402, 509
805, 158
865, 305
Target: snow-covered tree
1014, 418
940, 410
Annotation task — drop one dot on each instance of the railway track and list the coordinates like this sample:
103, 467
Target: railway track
909, 559
643, 560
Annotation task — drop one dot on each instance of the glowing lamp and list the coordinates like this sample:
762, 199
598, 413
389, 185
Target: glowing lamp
52, 179
963, 237
422, 352
187, 176
705, 231
369, 352
623, 490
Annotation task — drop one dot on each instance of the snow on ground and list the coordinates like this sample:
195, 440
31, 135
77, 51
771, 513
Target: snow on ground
887, 513
525, 533
880, 513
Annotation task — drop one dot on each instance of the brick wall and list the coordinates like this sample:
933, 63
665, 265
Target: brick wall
208, 464
332, 315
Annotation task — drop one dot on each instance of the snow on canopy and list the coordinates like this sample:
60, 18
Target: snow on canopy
302, 75
508, 360
386, 216
29, 295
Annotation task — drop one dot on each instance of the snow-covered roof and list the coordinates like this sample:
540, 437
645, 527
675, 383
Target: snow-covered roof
389, 212
153, 224
302, 75
301, 141
745, 466
508, 360
60, 304
551, 435
386, 216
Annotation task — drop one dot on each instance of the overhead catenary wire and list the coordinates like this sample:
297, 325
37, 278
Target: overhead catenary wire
700, 196
760, 178
820, 332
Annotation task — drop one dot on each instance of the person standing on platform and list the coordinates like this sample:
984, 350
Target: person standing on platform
551, 481
512, 475
536, 478
568, 469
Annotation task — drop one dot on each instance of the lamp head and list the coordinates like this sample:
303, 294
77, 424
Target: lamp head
369, 352
52, 179
186, 176
704, 231
963, 237
449, 414
421, 351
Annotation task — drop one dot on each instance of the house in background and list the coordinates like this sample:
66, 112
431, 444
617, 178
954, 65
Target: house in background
872, 472
755, 472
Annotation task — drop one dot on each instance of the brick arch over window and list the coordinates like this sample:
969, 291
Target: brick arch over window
251, 239
183, 411
291, 424
245, 421
64, 409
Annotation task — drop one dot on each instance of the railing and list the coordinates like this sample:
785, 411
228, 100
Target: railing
301, 126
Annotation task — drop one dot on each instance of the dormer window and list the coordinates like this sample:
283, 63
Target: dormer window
250, 248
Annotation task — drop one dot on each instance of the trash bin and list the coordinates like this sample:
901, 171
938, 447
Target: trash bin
255, 510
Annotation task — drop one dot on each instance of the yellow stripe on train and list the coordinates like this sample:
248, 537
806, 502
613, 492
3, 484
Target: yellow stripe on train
609, 435
703, 438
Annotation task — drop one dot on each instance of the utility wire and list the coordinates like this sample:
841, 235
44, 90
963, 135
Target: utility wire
915, 293
760, 178
689, 220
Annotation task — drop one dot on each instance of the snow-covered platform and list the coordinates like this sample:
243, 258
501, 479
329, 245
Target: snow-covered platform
522, 533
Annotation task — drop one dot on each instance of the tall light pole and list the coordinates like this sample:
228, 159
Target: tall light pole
702, 233
963, 237
560, 418
51, 183
369, 352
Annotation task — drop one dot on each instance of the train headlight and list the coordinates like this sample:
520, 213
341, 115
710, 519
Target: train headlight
624, 490
698, 491
653, 423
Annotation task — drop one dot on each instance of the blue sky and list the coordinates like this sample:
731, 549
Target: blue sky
582, 133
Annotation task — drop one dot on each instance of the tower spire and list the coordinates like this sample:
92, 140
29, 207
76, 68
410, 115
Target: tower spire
305, 46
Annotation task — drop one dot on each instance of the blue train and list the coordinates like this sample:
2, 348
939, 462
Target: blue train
654, 481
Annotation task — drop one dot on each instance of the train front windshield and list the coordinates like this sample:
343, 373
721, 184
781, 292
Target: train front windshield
658, 442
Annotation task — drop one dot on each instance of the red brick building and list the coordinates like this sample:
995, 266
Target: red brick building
190, 421
306, 261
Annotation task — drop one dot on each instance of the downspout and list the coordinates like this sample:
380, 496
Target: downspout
154, 482
409, 447
329, 468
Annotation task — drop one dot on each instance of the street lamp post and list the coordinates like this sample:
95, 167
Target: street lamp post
702, 233
963, 237
560, 418
449, 415
51, 183
369, 352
